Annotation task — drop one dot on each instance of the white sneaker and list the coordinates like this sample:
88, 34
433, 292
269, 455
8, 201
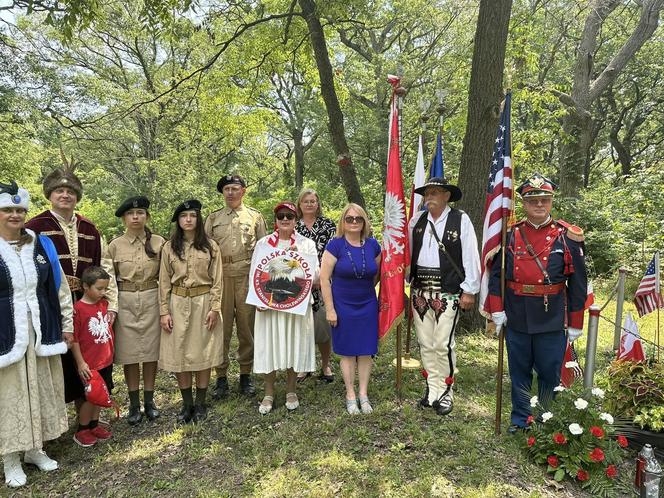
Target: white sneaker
14, 475
292, 402
40, 459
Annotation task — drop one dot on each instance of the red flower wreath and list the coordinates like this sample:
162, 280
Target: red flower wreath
559, 438
582, 475
598, 432
596, 455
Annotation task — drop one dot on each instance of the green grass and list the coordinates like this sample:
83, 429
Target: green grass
319, 450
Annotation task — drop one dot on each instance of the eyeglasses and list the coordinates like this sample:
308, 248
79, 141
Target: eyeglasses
285, 216
354, 219
538, 200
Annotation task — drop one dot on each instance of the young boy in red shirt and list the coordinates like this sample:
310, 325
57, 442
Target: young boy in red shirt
93, 349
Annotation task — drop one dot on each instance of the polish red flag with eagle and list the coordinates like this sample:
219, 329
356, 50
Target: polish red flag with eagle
395, 256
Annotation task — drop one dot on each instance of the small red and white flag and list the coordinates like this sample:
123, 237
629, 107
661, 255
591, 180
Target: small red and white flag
395, 256
571, 369
630, 341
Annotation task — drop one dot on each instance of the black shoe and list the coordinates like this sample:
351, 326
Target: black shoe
186, 415
246, 386
514, 429
443, 406
328, 379
424, 402
151, 411
220, 390
134, 416
200, 413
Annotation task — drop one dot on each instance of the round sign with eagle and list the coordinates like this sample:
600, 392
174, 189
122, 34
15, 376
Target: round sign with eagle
282, 280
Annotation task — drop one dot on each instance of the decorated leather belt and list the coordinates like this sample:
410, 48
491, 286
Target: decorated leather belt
199, 290
535, 289
74, 283
428, 279
132, 287
234, 259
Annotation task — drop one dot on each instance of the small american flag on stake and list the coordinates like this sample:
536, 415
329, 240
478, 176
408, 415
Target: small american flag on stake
648, 295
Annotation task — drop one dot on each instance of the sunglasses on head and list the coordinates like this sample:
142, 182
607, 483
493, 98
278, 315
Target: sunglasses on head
354, 219
285, 216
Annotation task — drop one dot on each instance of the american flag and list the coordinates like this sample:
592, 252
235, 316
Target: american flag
648, 295
498, 203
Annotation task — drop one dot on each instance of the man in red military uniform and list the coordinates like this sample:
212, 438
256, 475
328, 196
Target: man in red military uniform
545, 293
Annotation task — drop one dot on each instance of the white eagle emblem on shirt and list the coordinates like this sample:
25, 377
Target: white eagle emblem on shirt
393, 242
99, 328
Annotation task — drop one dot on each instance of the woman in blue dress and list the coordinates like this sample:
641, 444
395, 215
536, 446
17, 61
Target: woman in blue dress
349, 271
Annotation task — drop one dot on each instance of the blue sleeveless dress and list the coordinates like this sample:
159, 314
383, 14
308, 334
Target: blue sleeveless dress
355, 302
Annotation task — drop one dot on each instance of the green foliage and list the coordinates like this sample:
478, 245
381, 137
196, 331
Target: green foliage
636, 391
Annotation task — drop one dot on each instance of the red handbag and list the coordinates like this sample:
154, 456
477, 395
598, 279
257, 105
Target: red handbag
97, 393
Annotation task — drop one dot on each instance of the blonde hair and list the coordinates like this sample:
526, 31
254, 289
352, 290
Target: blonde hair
365, 228
303, 193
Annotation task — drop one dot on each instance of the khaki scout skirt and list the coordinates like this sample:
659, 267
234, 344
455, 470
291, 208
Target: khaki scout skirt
190, 347
137, 330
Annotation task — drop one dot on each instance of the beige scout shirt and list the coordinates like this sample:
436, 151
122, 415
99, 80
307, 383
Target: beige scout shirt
130, 261
236, 231
71, 234
196, 268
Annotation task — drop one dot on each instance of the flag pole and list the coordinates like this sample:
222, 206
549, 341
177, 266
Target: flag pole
658, 289
400, 91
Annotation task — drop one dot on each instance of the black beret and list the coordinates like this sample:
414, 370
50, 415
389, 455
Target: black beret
138, 202
230, 180
186, 206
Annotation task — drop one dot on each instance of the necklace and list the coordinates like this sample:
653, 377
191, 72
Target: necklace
352, 261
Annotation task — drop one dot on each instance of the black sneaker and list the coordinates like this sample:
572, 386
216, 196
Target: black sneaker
200, 413
151, 411
220, 390
246, 386
186, 415
134, 416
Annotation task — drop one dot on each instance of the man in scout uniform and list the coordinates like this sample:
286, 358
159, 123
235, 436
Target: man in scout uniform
79, 245
236, 229
545, 293
445, 276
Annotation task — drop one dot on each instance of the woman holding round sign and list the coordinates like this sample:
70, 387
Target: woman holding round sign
284, 268
349, 271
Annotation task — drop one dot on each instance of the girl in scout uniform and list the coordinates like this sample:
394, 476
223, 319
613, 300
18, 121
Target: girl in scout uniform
190, 286
135, 256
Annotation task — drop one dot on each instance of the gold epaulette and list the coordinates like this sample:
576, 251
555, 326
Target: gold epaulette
574, 232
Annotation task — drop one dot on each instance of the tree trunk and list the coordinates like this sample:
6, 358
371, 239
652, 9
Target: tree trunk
299, 158
484, 97
577, 124
334, 113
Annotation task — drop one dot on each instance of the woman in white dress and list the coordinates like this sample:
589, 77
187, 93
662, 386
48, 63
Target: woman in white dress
282, 340
35, 303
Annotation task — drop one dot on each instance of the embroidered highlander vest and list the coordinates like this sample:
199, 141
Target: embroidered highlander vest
451, 239
28, 284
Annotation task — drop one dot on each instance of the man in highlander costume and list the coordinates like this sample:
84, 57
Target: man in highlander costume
445, 276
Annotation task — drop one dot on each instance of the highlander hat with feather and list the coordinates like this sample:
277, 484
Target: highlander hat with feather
63, 177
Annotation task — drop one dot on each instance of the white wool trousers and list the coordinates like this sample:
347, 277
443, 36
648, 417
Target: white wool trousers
435, 316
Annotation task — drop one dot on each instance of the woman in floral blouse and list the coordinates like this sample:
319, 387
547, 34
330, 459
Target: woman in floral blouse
313, 225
